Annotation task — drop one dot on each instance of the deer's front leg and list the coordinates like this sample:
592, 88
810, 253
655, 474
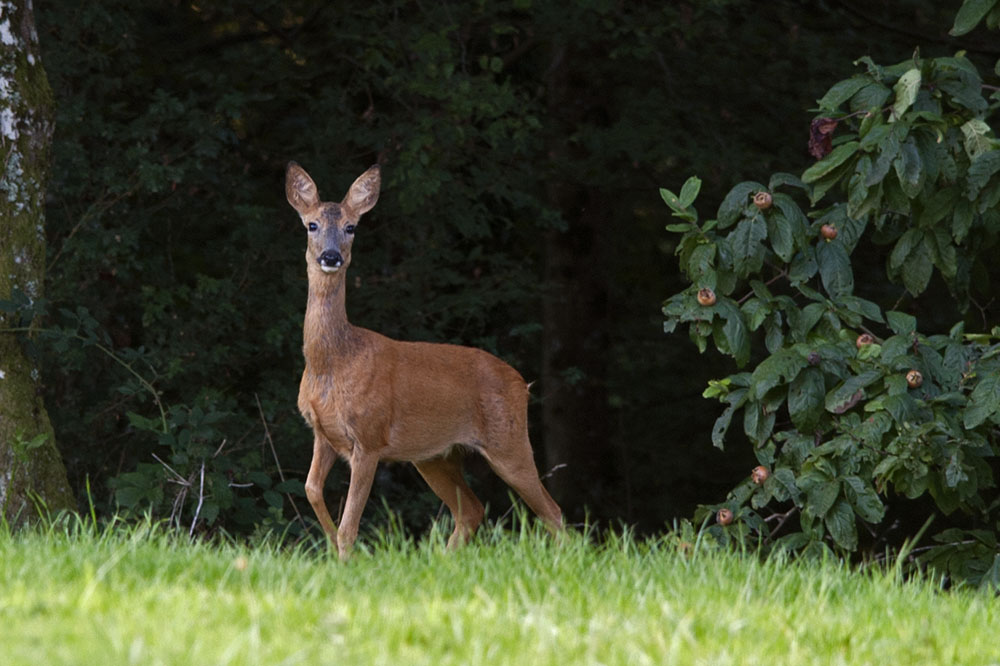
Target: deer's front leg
322, 460
362, 474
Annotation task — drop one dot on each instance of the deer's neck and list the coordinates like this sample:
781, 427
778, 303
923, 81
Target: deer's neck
329, 339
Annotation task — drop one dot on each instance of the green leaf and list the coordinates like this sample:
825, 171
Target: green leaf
904, 248
863, 307
746, 244
909, 168
982, 168
785, 364
736, 333
906, 90
842, 91
781, 179
888, 152
840, 523
700, 263
689, 192
857, 188
822, 497
939, 205
901, 323
779, 232
961, 220
976, 141
969, 15
835, 269
849, 392
984, 401
870, 98
806, 394
757, 423
736, 399
866, 502
837, 156
735, 201
918, 268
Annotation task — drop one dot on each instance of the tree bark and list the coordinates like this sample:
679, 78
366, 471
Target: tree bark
32, 475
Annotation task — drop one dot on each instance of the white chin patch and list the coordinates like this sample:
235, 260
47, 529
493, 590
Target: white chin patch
329, 269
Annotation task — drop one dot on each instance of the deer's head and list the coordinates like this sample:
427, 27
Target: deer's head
330, 226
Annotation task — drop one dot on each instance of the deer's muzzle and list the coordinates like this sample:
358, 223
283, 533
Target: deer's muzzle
330, 261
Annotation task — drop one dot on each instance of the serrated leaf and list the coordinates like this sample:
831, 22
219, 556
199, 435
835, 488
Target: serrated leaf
906, 90
837, 156
841, 526
969, 15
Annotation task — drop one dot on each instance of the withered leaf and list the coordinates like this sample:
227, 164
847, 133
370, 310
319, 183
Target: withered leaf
821, 137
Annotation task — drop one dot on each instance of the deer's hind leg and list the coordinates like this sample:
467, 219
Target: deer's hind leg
514, 462
444, 476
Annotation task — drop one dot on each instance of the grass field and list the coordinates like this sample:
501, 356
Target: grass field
70, 594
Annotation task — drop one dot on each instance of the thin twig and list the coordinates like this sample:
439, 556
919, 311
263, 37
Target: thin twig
784, 518
201, 499
277, 463
180, 479
553, 471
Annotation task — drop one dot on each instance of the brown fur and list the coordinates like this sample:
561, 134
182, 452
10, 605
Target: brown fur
369, 398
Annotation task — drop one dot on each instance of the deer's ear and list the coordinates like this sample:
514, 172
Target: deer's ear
300, 189
363, 194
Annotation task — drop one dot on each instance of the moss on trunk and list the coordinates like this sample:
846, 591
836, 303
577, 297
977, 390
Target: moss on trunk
31, 471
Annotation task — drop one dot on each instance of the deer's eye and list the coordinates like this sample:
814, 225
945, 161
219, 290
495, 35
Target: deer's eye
349, 229
312, 226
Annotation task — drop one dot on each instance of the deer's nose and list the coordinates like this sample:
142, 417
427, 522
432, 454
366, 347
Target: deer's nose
330, 261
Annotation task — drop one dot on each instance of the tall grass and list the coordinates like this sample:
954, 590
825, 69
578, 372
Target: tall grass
75, 594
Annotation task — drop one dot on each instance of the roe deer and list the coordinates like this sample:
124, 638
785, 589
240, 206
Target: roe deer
369, 398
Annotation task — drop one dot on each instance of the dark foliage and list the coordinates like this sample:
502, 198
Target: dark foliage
174, 258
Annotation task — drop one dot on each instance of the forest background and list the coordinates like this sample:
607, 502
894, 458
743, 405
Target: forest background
523, 146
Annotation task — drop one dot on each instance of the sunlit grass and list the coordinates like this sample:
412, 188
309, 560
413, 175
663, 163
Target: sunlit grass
72, 594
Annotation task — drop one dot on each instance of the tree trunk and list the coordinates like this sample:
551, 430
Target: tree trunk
575, 411
32, 475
